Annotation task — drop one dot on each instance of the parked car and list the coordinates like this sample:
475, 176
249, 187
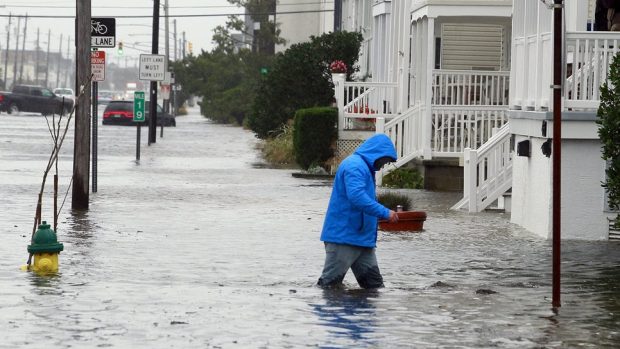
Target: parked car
104, 97
34, 99
121, 113
64, 92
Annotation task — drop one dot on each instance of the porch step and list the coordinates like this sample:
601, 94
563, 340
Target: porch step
503, 203
614, 234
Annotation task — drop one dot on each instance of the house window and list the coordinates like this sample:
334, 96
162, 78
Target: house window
437, 53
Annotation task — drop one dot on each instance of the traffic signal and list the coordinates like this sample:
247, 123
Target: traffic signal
119, 50
190, 47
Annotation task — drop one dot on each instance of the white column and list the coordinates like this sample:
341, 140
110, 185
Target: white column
338, 80
427, 125
576, 15
404, 65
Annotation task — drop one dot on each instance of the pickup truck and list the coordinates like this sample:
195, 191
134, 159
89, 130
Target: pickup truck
34, 99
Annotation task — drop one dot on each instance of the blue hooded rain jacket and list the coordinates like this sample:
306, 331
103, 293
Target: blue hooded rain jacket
353, 210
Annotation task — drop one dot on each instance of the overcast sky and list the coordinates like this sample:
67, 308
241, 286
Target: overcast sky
134, 32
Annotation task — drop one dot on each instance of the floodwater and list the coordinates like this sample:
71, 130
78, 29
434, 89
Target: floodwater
200, 245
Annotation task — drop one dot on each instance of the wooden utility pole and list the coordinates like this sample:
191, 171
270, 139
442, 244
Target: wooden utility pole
174, 22
47, 58
6, 54
81, 151
36, 60
184, 44
153, 101
68, 65
21, 65
59, 60
19, 23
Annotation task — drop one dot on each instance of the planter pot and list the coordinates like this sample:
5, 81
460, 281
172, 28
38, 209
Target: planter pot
407, 221
339, 77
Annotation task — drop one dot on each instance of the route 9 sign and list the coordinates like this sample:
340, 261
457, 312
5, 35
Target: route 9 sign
102, 32
138, 106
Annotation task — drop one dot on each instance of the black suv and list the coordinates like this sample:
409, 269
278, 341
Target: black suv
34, 99
121, 113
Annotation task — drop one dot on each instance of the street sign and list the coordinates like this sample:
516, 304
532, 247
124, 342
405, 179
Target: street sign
167, 78
164, 91
97, 65
138, 106
102, 32
152, 67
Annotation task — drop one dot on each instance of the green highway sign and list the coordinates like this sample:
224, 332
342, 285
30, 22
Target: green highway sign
138, 106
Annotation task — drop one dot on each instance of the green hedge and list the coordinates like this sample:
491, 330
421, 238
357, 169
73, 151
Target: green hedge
314, 132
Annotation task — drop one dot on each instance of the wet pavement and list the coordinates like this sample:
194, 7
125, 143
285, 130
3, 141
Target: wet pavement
200, 245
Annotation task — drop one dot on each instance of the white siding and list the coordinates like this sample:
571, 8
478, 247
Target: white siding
472, 46
298, 27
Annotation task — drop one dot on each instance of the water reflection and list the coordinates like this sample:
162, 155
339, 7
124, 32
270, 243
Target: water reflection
192, 248
348, 314
45, 284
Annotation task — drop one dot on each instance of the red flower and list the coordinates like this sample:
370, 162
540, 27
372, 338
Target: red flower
338, 67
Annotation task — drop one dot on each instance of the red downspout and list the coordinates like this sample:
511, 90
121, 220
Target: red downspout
557, 152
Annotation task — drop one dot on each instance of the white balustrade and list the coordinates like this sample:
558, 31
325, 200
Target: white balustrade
487, 172
456, 128
364, 102
464, 87
405, 132
589, 55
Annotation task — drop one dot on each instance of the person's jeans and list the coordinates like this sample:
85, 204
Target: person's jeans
362, 261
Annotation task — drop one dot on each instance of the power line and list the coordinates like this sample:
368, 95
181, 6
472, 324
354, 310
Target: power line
185, 15
150, 7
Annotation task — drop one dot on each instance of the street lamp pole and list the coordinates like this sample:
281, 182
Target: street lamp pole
6, 54
153, 102
167, 41
557, 147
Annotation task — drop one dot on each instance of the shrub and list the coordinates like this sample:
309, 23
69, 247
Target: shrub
609, 133
300, 78
406, 178
279, 149
391, 200
314, 132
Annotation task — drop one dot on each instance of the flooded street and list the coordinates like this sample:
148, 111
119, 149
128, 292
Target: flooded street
200, 245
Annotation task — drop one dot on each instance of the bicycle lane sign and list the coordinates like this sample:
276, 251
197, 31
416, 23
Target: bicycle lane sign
102, 32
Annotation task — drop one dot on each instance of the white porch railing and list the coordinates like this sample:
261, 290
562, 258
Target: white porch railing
363, 102
455, 128
488, 172
589, 55
466, 87
465, 108
403, 130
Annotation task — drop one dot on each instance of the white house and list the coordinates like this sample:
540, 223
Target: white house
469, 80
298, 20
588, 55
438, 74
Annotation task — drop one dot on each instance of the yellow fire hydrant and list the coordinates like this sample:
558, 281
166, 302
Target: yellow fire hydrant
45, 247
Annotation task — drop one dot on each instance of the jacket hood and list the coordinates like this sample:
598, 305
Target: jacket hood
375, 147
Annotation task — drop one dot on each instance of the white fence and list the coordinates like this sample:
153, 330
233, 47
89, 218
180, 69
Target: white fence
588, 56
488, 172
456, 128
405, 131
363, 102
464, 87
